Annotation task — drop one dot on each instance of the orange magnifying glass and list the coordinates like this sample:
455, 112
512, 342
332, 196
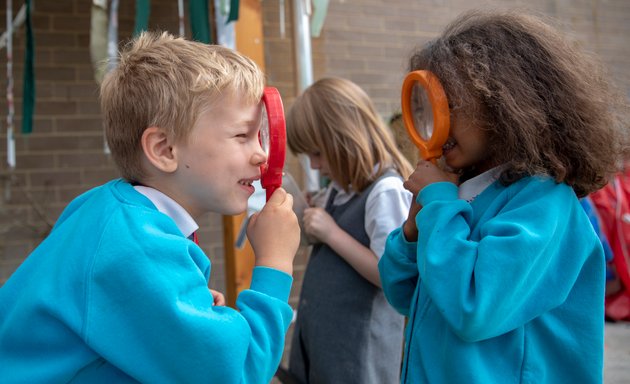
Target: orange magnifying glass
425, 113
273, 138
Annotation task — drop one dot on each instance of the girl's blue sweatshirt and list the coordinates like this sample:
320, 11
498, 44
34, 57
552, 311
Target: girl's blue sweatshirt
508, 288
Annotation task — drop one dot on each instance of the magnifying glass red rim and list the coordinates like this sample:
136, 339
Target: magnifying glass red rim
429, 149
271, 172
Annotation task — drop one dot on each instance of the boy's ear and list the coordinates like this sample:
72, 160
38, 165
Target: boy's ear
157, 147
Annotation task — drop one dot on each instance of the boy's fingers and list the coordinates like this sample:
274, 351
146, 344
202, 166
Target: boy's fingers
252, 219
278, 196
281, 197
289, 199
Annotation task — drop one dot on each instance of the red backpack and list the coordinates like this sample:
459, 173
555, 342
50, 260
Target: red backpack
612, 204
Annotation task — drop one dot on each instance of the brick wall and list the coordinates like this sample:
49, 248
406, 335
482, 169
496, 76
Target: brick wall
367, 41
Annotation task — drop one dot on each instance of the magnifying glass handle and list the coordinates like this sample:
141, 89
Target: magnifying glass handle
270, 191
273, 180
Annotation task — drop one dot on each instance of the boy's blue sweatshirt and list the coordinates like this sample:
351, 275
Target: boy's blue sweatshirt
117, 294
506, 289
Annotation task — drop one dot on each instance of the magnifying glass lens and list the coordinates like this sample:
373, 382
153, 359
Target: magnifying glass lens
422, 111
264, 132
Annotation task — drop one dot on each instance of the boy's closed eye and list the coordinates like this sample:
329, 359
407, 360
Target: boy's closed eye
247, 134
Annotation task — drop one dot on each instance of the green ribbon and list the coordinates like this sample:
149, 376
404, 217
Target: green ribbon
143, 10
199, 22
320, 7
233, 16
28, 91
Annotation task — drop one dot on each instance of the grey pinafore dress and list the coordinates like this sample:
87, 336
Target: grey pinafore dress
345, 331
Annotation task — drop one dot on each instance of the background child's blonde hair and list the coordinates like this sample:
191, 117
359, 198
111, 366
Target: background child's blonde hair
545, 106
336, 118
167, 82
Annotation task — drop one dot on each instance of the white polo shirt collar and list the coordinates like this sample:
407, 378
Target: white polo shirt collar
186, 224
471, 188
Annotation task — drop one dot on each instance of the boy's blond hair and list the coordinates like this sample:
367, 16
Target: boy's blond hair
336, 117
165, 81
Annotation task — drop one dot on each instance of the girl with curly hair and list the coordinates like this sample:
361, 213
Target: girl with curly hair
497, 265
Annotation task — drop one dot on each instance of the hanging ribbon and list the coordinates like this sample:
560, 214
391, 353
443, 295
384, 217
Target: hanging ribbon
112, 36
180, 11
143, 10
10, 105
199, 23
28, 91
233, 16
98, 39
281, 17
112, 48
226, 35
320, 8
16, 23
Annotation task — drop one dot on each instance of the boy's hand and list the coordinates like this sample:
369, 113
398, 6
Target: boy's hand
318, 224
219, 299
274, 233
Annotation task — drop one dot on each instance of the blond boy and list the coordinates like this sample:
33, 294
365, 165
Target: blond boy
118, 291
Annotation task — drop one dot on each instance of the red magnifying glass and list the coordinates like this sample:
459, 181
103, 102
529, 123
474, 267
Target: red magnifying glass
425, 113
273, 138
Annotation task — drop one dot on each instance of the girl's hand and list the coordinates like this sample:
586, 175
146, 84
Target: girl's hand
316, 199
219, 299
409, 226
318, 224
425, 173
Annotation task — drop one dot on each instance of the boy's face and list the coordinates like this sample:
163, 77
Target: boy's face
221, 159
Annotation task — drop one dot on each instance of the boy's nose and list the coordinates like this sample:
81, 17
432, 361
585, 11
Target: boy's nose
259, 157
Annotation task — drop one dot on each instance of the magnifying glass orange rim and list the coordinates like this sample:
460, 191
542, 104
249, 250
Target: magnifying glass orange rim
432, 148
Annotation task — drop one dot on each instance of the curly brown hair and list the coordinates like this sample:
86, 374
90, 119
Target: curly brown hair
545, 105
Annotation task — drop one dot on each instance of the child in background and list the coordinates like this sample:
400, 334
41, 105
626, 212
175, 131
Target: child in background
497, 265
611, 206
346, 332
118, 292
